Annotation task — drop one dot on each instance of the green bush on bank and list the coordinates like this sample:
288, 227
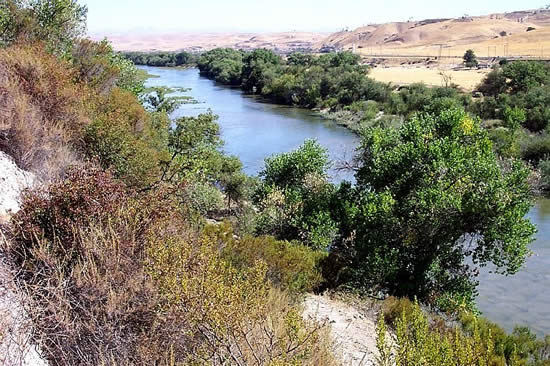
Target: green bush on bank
428, 339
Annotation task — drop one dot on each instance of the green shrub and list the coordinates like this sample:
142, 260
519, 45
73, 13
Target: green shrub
424, 339
507, 143
201, 197
536, 148
393, 308
521, 345
290, 265
419, 343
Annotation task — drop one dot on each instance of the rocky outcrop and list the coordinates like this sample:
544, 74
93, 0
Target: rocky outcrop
15, 341
12, 182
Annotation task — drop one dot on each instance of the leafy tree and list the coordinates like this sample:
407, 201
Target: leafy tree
258, 69
300, 59
295, 197
158, 100
224, 65
193, 145
494, 83
536, 103
470, 59
12, 20
525, 75
232, 179
430, 195
58, 23
514, 117
339, 59
168, 59
288, 170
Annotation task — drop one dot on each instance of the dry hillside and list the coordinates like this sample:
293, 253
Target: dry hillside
450, 37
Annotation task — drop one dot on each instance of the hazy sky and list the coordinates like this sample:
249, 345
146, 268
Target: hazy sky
279, 15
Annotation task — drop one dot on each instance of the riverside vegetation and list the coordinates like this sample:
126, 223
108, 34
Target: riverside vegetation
514, 107
120, 267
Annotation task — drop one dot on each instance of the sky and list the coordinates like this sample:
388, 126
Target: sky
158, 16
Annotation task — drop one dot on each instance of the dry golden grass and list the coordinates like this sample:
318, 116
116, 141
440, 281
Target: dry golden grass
535, 44
494, 35
400, 75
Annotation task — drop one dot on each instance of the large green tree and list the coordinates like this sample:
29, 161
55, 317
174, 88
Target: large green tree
431, 206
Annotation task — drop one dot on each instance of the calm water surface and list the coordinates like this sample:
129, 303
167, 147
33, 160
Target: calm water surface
253, 131
525, 297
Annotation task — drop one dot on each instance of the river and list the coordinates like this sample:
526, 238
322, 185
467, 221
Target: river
254, 130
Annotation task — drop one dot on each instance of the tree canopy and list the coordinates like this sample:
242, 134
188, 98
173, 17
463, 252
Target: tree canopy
470, 59
430, 197
58, 23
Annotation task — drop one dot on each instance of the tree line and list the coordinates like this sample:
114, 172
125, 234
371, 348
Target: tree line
161, 59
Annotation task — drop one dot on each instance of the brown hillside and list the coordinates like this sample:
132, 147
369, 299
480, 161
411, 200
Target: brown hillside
428, 36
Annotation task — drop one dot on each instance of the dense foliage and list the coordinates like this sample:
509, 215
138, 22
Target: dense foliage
470, 59
427, 339
329, 80
294, 197
429, 195
58, 23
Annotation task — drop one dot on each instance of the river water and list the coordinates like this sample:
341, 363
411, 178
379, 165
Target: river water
254, 130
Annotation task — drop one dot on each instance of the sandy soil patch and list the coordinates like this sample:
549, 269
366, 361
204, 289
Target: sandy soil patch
353, 331
467, 79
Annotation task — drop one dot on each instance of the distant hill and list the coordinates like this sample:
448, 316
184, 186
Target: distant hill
516, 33
430, 35
283, 42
